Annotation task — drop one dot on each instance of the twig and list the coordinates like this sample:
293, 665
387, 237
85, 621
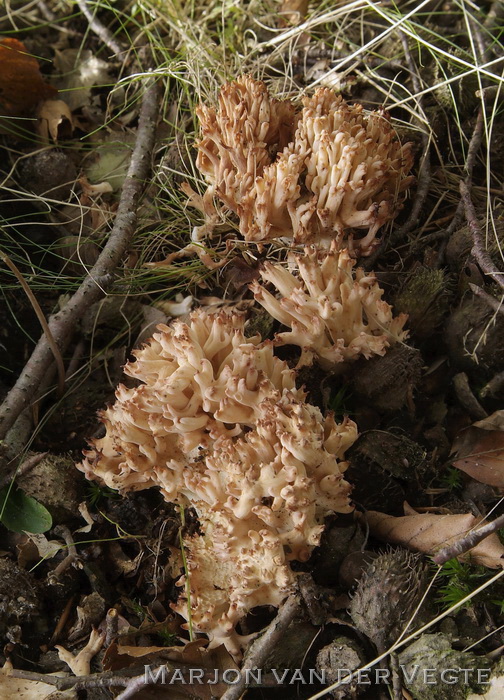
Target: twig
71, 556
137, 683
478, 250
47, 13
468, 541
111, 626
472, 152
467, 398
42, 320
264, 645
63, 619
108, 679
99, 29
494, 303
23, 468
100, 277
474, 146
73, 365
494, 386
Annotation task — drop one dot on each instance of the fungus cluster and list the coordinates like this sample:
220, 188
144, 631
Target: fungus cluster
216, 420
335, 313
218, 424
313, 176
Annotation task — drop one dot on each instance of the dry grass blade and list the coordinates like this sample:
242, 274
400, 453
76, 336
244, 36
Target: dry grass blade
42, 320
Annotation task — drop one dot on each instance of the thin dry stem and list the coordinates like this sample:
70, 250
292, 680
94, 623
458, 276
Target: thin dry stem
99, 29
264, 645
42, 320
494, 303
479, 250
464, 544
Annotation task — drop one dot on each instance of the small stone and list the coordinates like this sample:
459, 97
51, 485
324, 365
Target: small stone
50, 173
432, 653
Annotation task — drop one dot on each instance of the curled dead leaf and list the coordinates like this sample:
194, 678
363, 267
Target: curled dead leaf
54, 120
479, 450
428, 532
294, 11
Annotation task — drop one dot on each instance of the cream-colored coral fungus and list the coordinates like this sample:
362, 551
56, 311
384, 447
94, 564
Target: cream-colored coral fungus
341, 172
218, 424
239, 137
335, 313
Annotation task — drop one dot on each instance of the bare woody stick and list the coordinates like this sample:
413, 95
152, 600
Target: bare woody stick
95, 285
264, 645
479, 250
99, 29
468, 542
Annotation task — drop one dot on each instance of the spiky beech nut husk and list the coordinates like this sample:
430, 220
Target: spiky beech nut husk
425, 297
387, 596
474, 335
388, 381
451, 672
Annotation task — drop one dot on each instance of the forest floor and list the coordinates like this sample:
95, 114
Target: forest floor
98, 132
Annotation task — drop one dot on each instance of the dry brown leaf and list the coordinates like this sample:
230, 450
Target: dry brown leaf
191, 656
493, 422
78, 71
30, 690
294, 11
54, 120
479, 450
427, 533
22, 86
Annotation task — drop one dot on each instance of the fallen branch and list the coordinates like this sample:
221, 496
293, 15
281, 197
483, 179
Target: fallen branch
26, 466
100, 278
467, 398
468, 541
479, 250
99, 29
264, 645
494, 303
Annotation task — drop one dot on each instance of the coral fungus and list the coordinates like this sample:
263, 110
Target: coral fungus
218, 424
335, 313
313, 176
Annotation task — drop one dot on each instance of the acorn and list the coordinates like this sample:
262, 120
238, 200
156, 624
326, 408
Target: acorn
387, 596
